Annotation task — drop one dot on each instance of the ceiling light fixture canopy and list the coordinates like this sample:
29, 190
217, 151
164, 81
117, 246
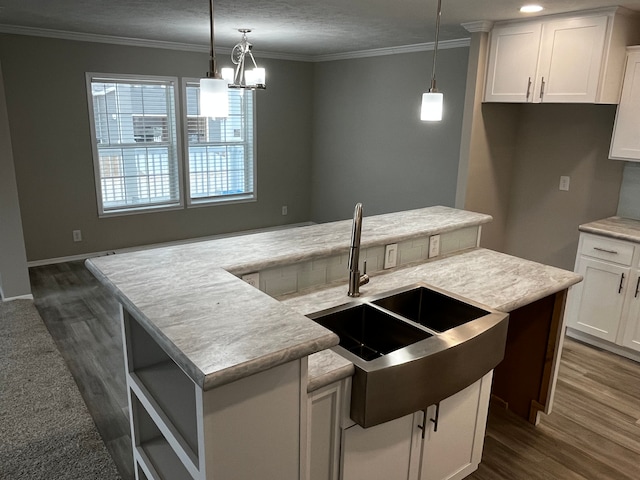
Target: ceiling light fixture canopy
431, 110
214, 98
244, 78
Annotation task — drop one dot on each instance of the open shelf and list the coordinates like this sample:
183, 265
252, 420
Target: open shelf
153, 448
164, 386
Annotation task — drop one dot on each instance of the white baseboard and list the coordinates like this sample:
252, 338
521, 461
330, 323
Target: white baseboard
84, 256
19, 297
603, 344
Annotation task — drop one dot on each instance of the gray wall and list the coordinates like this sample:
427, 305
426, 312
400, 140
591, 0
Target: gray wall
629, 202
555, 140
47, 107
14, 276
369, 144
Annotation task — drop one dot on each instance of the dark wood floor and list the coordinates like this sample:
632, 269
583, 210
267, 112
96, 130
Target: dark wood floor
593, 433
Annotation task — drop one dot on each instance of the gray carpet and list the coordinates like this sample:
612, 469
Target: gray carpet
45, 429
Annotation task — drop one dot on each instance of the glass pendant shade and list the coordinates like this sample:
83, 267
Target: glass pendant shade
214, 99
431, 110
259, 75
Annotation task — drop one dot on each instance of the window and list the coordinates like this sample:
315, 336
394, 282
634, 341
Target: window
136, 149
220, 151
135, 142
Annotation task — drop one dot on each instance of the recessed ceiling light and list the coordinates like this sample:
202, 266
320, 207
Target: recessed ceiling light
531, 9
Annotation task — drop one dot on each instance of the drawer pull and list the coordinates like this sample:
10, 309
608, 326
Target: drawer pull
605, 250
621, 281
528, 88
637, 288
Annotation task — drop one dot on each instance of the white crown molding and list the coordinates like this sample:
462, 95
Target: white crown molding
136, 42
378, 52
480, 26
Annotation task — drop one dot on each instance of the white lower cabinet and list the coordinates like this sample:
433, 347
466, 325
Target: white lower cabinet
454, 437
606, 305
443, 442
600, 298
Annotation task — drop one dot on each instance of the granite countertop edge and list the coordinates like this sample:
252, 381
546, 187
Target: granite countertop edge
619, 228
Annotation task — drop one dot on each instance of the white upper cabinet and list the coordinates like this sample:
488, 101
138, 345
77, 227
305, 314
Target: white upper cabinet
560, 59
625, 144
513, 61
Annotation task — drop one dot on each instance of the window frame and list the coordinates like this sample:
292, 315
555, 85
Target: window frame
179, 160
221, 199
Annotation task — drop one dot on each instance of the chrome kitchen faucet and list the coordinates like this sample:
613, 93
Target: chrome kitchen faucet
355, 279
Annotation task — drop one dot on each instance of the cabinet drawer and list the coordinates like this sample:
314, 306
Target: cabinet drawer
607, 249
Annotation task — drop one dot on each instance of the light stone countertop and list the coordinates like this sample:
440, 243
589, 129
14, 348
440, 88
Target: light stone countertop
499, 281
614, 227
219, 329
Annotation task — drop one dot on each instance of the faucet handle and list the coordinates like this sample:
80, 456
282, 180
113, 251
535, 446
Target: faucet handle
365, 268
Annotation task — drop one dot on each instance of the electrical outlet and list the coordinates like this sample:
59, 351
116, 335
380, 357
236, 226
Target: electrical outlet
391, 255
434, 246
252, 279
77, 235
564, 183
285, 210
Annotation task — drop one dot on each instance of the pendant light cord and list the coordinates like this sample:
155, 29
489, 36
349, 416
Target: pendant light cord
213, 71
435, 48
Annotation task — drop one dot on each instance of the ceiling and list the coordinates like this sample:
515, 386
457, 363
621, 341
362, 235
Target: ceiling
286, 27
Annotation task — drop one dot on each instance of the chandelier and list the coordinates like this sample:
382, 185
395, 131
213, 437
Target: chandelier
242, 77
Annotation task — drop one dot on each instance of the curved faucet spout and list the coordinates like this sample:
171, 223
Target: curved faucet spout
355, 279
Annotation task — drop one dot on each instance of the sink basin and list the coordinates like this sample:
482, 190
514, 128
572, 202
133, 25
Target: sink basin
413, 347
369, 332
432, 309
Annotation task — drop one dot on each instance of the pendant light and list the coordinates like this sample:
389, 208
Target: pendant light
253, 79
432, 100
214, 99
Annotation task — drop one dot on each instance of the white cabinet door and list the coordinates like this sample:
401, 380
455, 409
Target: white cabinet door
631, 336
597, 302
455, 449
513, 61
382, 452
323, 449
571, 55
625, 144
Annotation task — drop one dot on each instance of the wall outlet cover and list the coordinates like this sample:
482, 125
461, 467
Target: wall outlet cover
391, 255
434, 246
77, 235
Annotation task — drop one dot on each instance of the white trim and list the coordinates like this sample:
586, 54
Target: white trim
603, 344
480, 26
84, 256
189, 47
378, 52
19, 297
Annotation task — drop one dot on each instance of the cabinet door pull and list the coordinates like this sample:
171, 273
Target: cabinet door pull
621, 281
423, 427
435, 420
542, 89
605, 250
528, 88
637, 288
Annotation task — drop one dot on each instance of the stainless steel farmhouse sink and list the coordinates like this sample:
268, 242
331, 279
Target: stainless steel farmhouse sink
413, 347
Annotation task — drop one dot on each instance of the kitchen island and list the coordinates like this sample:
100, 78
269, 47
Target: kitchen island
220, 372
